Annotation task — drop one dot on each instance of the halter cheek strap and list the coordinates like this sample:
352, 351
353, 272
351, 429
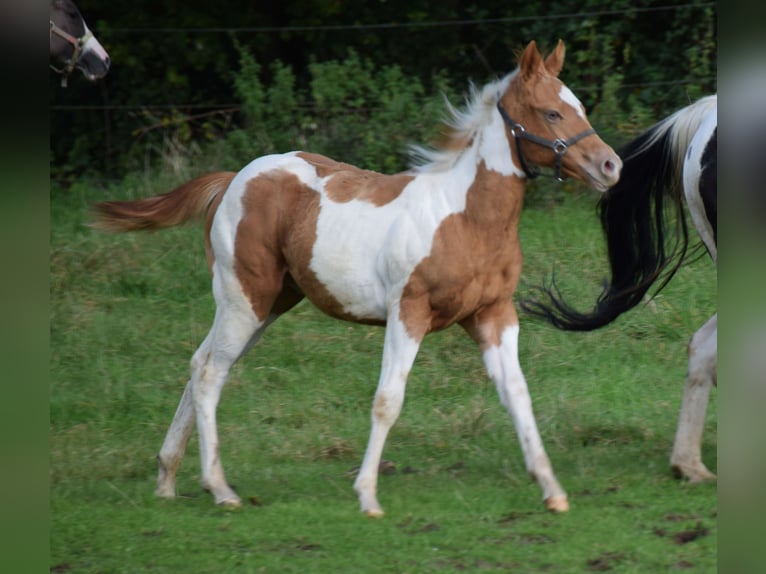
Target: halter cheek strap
77, 44
558, 146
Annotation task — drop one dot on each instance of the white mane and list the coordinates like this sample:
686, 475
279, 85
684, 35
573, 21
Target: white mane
463, 125
683, 125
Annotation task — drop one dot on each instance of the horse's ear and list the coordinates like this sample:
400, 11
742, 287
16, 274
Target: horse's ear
555, 61
530, 61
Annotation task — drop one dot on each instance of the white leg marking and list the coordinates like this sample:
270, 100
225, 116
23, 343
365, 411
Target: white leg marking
178, 434
686, 458
234, 331
502, 363
399, 351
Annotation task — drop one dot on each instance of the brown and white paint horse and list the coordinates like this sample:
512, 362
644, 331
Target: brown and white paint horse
417, 252
73, 45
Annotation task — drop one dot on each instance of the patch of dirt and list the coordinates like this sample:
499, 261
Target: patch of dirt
686, 536
339, 450
61, 567
411, 526
513, 517
605, 562
476, 565
535, 539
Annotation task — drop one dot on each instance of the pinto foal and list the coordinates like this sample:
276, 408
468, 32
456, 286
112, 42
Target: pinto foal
417, 252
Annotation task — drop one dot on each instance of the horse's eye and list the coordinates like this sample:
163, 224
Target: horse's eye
552, 116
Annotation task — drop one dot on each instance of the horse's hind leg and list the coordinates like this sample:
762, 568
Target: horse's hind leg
178, 434
235, 330
686, 458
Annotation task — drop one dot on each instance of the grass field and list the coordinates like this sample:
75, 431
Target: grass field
127, 312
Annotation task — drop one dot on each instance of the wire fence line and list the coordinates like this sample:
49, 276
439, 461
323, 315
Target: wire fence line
234, 107
405, 25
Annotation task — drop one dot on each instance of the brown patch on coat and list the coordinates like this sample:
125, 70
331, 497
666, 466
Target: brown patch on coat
273, 246
259, 260
474, 265
346, 182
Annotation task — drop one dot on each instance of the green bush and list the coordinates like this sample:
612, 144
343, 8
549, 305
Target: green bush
351, 110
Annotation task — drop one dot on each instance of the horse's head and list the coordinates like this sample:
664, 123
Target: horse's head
72, 44
547, 124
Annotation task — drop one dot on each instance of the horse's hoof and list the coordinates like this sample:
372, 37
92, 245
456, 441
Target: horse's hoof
557, 503
165, 492
230, 503
374, 513
694, 473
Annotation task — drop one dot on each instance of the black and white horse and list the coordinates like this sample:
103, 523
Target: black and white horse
73, 45
675, 159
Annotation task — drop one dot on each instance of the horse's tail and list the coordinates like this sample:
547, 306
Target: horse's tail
192, 200
645, 243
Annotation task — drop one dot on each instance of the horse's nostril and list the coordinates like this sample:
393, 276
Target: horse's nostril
610, 167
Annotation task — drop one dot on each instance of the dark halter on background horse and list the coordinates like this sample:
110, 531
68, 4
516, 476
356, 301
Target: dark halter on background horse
558, 146
77, 44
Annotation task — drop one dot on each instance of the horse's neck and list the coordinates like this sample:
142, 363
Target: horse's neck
493, 186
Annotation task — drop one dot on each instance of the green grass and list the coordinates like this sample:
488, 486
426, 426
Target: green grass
127, 312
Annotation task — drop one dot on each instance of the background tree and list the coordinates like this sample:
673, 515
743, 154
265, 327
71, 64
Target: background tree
183, 72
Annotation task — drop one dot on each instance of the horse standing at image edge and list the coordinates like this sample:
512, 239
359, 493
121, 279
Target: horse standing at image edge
73, 45
675, 159
416, 251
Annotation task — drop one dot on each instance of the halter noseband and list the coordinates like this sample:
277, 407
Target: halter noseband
77, 44
558, 146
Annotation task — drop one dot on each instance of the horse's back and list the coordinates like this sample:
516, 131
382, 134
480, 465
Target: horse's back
325, 223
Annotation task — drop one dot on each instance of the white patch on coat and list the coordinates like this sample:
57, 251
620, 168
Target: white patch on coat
93, 45
495, 149
691, 175
364, 254
568, 96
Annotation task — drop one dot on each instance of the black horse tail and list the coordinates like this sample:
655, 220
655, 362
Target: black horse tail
644, 225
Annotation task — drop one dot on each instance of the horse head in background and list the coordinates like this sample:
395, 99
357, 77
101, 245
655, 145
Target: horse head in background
73, 45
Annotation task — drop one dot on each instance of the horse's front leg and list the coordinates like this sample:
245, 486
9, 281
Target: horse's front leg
399, 351
496, 330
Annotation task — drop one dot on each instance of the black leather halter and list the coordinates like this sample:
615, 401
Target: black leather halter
558, 146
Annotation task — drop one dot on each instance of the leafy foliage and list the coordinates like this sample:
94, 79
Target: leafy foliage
276, 76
